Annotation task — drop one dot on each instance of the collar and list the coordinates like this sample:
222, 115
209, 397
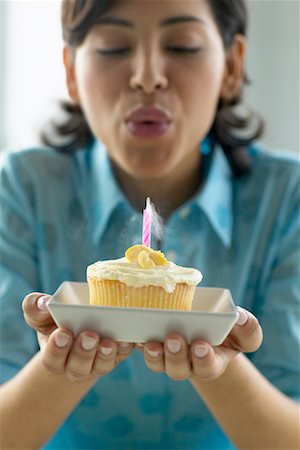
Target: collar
215, 199
106, 195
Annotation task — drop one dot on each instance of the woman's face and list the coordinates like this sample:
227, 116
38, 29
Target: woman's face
148, 78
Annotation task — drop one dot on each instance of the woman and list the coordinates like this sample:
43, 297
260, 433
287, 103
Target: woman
155, 88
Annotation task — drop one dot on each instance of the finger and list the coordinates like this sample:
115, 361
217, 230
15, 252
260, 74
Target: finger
177, 361
246, 335
80, 361
36, 312
55, 353
154, 356
139, 347
124, 349
105, 359
207, 362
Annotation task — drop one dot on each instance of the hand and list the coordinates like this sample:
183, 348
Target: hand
200, 360
79, 358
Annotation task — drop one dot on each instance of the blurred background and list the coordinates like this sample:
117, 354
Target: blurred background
32, 77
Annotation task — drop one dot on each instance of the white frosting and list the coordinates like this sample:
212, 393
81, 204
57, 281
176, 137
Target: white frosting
166, 276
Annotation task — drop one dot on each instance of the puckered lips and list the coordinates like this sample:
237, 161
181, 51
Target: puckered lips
148, 121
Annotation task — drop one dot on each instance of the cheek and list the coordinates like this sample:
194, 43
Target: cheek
95, 93
201, 96
99, 102
203, 87
98, 89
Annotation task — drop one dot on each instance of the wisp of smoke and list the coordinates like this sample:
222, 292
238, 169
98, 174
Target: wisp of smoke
157, 224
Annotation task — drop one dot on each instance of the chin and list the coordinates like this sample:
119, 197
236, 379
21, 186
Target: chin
150, 164
148, 171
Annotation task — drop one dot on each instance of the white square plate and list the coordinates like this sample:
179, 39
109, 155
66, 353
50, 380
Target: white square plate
212, 317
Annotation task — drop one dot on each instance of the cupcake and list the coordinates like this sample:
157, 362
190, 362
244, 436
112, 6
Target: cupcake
144, 278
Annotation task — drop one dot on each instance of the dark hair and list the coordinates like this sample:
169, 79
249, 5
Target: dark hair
235, 126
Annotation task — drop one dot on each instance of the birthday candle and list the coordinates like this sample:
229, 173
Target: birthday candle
147, 219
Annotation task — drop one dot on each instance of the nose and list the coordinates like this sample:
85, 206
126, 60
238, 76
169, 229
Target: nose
148, 72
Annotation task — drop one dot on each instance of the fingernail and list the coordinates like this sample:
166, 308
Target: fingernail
200, 350
32, 300
42, 303
88, 342
106, 350
173, 345
152, 353
61, 339
243, 317
124, 344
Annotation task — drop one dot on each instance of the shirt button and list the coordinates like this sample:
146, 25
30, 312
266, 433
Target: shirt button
171, 255
185, 212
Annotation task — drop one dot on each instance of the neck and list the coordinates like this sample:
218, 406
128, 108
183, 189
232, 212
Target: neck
167, 193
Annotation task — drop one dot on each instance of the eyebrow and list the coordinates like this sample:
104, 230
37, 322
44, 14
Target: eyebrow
166, 22
180, 19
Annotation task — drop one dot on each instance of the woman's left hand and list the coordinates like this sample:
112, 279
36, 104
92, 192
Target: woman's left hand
200, 360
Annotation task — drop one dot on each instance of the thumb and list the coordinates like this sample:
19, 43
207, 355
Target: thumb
36, 313
246, 335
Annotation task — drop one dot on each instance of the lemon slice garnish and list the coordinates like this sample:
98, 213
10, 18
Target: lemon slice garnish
145, 261
158, 258
132, 253
145, 257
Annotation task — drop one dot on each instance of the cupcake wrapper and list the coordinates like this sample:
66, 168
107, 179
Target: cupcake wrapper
116, 293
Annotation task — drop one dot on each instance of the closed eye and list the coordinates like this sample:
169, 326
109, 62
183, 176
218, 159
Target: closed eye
123, 50
178, 49
113, 51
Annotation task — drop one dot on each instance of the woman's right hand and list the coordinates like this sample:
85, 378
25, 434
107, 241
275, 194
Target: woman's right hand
79, 358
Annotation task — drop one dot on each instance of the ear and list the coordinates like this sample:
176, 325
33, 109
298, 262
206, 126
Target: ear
69, 63
234, 70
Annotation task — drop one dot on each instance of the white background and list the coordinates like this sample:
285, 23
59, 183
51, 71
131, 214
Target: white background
32, 77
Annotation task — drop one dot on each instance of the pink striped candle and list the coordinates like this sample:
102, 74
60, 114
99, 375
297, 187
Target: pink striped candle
147, 219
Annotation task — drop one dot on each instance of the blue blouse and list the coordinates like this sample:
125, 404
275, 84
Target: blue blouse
60, 213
